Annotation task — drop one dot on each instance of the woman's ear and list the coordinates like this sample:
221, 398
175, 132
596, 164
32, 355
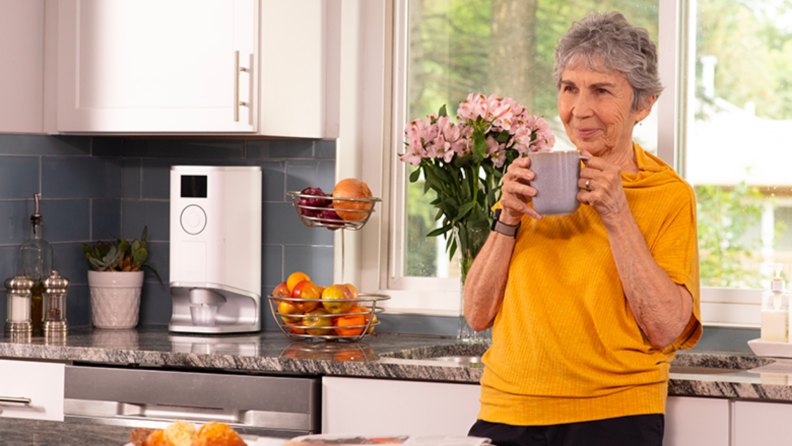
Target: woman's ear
641, 114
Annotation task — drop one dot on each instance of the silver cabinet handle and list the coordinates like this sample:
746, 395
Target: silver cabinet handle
237, 102
14, 399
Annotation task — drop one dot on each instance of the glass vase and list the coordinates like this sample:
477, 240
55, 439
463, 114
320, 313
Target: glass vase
469, 242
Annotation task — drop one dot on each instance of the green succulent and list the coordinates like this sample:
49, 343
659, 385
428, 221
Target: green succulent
124, 257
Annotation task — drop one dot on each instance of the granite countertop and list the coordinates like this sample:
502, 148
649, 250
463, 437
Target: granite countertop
712, 374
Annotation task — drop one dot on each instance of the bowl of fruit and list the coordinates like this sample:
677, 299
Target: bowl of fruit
304, 310
348, 207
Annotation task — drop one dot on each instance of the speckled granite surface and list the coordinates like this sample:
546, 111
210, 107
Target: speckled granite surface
714, 374
52, 433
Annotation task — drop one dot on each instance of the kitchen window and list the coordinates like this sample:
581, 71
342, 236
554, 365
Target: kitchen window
720, 122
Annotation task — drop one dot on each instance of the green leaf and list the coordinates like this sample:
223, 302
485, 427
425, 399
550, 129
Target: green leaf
123, 246
415, 175
479, 144
503, 136
442, 112
466, 208
153, 270
451, 246
442, 175
439, 231
139, 257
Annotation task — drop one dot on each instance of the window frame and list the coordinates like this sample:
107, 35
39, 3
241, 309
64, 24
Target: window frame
374, 56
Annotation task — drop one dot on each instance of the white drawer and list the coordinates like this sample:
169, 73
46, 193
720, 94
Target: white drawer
39, 382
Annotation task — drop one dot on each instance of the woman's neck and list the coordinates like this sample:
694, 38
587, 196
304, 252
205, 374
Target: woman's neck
623, 157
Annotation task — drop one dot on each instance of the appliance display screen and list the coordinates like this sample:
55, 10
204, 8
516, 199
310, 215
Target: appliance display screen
193, 186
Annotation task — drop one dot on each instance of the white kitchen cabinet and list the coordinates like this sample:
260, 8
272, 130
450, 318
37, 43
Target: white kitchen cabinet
760, 423
31, 390
154, 66
692, 421
148, 66
391, 407
22, 74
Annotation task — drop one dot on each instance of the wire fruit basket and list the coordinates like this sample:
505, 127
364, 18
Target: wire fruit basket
326, 327
316, 216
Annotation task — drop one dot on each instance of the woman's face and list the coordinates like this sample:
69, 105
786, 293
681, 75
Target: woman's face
596, 109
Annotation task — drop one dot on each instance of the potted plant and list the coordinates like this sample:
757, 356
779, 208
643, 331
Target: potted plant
115, 281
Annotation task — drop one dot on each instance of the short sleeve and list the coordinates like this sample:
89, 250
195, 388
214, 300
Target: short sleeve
676, 251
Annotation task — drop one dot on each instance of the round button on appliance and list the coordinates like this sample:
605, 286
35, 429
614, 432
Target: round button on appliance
193, 219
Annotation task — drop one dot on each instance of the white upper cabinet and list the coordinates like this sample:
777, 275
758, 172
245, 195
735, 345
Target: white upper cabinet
22, 61
155, 66
256, 67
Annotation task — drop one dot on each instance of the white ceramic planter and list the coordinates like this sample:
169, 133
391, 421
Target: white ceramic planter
115, 298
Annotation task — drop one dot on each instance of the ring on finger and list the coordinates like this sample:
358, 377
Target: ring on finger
588, 185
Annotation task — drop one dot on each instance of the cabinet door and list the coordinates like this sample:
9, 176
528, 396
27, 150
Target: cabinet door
31, 390
390, 407
22, 55
156, 66
757, 423
693, 421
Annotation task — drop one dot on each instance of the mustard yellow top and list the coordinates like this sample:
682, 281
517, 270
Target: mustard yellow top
566, 347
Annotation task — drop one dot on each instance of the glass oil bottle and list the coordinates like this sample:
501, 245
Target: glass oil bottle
35, 262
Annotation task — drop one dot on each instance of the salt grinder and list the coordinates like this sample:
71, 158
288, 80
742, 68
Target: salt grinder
54, 296
18, 293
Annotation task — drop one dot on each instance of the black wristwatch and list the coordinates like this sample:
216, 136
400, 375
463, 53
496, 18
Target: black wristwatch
503, 228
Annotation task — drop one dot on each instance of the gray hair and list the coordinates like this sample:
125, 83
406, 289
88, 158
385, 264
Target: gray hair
609, 41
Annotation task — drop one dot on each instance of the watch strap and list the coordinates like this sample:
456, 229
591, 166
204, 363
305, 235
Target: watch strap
503, 228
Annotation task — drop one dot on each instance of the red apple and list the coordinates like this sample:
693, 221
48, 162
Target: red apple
336, 292
282, 290
318, 318
306, 290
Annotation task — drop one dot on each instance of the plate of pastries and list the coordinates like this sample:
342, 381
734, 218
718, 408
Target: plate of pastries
182, 433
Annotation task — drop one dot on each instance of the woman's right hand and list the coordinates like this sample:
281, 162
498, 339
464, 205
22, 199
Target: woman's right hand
517, 192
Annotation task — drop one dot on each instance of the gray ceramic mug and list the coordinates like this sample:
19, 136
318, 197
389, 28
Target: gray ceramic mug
556, 181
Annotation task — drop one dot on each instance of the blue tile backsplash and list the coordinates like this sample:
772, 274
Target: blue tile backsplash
101, 187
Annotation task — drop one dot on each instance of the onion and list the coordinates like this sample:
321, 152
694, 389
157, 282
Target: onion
313, 202
329, 214
352, 188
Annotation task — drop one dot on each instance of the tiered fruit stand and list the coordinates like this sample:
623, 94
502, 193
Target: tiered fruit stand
367, 302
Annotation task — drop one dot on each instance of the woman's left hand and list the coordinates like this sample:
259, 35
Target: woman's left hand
602, 187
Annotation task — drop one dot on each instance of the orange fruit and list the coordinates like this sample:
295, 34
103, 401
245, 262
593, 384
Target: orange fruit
373, 318
351, 320
351, 188
296, 278
293, 327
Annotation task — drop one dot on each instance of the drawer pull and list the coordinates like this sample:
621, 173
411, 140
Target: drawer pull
13, 399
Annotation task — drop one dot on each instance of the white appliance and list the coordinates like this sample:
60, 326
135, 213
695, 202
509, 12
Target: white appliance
215, 249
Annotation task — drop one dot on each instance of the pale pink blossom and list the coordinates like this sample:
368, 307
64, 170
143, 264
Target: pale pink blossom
436, 137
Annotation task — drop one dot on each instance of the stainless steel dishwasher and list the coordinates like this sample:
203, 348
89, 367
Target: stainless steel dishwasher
272, 406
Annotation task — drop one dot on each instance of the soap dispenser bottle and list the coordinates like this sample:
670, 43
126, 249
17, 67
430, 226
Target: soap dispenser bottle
775, 311
35, 262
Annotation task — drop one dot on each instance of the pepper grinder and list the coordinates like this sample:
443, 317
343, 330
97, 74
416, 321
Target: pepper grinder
18, 293
54, 295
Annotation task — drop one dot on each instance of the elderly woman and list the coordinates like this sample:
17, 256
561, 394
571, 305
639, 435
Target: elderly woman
589, 308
